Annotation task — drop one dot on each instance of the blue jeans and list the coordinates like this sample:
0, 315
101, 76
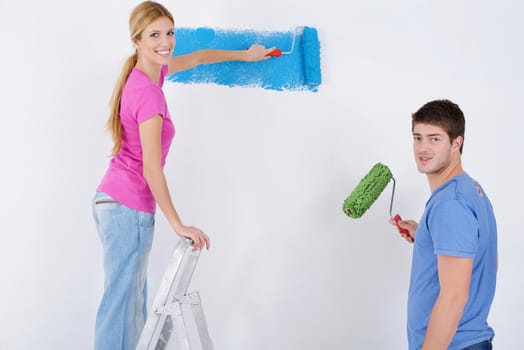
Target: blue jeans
485, 345
126, 236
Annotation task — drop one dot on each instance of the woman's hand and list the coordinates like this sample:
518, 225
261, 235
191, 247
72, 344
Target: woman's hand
199, 238
257, 53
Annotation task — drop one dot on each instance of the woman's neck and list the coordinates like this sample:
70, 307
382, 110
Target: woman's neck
151, 70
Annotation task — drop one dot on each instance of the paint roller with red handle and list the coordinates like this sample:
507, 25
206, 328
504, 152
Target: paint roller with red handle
308, 37
367, 192
279, 52
274, 53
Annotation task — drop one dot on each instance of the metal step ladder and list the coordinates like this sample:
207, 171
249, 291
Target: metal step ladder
167, 316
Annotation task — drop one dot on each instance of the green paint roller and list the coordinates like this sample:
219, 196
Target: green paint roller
367, 192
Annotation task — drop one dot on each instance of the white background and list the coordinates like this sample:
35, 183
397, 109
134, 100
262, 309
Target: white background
263, 172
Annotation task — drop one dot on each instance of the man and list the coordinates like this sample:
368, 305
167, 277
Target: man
454, 263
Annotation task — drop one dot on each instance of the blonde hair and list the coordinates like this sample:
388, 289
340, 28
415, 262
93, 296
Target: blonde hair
142, 16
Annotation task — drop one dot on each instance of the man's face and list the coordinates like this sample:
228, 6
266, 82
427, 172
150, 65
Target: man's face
432, 148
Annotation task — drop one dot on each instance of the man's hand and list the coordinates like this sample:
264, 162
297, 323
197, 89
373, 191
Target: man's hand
409, 225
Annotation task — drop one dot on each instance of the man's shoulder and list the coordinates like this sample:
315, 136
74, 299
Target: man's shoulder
458, 187
461, 192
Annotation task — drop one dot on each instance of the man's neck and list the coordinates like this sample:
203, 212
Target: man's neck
437, 180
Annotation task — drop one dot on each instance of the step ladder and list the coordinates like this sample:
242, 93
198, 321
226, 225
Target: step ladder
167, 316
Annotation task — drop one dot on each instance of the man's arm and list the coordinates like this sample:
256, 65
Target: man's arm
454, 276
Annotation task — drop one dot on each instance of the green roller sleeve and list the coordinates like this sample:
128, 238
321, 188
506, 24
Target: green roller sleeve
367, 191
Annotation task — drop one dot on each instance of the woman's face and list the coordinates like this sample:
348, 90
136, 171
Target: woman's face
157, 42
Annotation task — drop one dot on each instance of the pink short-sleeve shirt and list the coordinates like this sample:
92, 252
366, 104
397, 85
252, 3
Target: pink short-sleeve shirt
141, 100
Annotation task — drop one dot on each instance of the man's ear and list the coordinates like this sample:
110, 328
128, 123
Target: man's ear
457, 143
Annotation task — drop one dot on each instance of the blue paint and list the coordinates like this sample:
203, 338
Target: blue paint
299, 70
312, 74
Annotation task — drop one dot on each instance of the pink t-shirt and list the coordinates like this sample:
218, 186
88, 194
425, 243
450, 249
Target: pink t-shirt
141, 100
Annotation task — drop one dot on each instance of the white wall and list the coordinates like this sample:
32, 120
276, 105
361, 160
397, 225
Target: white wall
263, 172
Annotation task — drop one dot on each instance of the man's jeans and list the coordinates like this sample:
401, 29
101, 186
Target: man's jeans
485, 345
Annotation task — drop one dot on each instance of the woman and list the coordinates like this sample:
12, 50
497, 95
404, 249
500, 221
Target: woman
125, 201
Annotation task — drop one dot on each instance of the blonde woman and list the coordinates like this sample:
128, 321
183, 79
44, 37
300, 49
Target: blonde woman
134, 184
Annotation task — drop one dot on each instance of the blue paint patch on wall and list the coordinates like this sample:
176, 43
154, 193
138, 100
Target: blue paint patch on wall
299, 70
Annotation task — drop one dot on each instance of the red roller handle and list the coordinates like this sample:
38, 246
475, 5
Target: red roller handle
405, 231
274, 53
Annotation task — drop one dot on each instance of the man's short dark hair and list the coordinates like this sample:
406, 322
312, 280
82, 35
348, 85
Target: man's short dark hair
442, 113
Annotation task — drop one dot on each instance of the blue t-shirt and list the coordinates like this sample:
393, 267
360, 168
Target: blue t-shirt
458, 221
